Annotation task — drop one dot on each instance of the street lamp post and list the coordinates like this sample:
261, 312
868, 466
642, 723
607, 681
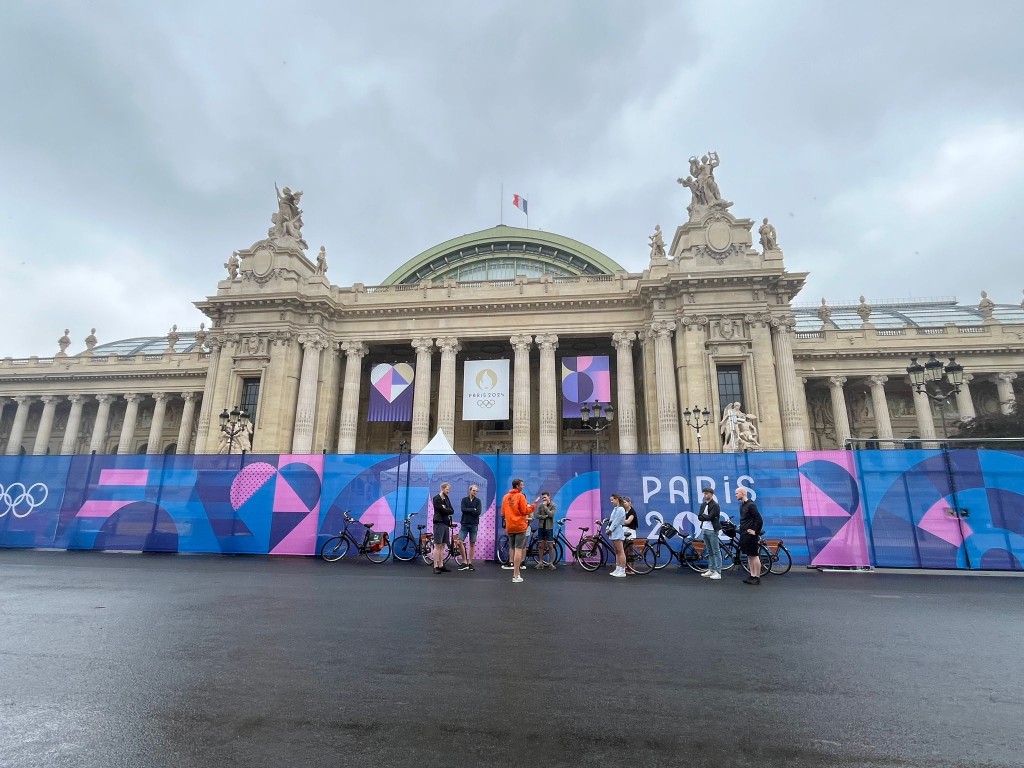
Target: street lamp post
696, 414
234, 426
597, 418
921, 376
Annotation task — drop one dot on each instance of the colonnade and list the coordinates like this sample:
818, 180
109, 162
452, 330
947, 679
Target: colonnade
16, 441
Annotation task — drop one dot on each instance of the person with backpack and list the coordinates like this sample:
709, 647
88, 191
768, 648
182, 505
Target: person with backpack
545, 531
710, 524
751, 528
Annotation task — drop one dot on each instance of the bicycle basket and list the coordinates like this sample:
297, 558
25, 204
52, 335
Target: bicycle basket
729, 529
638, 544
772, 545
375, 541
668, 531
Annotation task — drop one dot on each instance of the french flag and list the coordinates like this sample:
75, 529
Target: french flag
520, 202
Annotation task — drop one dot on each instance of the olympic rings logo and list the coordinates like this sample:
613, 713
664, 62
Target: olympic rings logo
21, 501
484, 403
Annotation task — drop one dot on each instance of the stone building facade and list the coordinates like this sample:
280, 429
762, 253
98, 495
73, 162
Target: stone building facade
710, 321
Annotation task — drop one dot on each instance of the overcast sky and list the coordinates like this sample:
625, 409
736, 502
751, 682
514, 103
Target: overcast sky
140, 142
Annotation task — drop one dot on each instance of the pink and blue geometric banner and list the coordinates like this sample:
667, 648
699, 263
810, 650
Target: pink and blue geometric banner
391, 390
584, 380
831, 508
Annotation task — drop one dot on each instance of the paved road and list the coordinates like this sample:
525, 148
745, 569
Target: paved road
146, 660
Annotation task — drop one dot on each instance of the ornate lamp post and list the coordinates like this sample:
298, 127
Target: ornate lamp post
696, 414
921, 376
234, 426
597, 418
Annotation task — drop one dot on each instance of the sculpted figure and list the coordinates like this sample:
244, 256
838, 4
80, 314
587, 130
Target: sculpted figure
729, 426
702, 185
769, 240
747, 438
657, 243
287, 222
986, 305
232, 266
321, 261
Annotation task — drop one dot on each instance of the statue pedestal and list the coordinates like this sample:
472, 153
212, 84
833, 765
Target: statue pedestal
716, 241
275, 264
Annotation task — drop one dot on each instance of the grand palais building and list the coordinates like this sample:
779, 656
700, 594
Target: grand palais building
711, 321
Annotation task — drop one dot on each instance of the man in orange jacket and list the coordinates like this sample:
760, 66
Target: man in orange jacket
517, 526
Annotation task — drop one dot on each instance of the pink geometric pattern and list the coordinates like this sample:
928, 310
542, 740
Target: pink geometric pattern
99, 508
817, 503
379, 513
124, 477
250, 480
938, 522
849, 547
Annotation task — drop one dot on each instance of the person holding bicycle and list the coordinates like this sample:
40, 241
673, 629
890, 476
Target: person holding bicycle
443, 513
471, 507
710, 524
616, 534
545, 531
751, 526
515, 511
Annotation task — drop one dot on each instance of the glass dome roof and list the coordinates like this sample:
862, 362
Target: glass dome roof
903, 313
146, 345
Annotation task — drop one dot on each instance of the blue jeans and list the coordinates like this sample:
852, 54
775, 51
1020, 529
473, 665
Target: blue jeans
714, 550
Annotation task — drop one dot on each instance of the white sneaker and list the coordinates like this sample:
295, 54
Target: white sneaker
715, 576
619, 574
517, 579
508, 567
706, 575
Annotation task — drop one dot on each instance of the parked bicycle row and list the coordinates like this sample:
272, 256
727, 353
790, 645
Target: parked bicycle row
546, 546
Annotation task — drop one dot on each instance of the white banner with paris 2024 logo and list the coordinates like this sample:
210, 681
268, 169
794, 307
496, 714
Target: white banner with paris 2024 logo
485, 390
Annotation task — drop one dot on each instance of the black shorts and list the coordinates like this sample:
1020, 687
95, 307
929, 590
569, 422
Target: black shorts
749, 544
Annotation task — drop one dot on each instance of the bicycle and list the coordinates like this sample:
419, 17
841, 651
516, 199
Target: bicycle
594, 551
375, 544
782, 561
691, 552
763, 554
427, 548
406, 548
532, 550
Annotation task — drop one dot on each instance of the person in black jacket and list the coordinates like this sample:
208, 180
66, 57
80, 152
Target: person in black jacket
471, 508
443, 513
751, 528
710, 524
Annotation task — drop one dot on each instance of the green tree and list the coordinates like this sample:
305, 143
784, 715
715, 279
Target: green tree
998, 425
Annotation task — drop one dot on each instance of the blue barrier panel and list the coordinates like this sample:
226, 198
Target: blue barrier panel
31, 492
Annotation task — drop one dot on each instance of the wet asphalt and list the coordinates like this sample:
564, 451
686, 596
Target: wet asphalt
161, 660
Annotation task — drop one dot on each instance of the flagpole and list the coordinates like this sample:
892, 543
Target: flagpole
501, 205
527, 210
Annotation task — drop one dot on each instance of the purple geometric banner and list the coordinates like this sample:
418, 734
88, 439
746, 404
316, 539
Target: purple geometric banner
584, 380
391, 392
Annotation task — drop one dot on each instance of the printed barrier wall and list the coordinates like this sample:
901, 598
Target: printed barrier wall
832, 508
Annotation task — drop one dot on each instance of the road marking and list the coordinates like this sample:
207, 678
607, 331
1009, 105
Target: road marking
888, 597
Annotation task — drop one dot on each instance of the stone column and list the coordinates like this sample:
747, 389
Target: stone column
839, 415
521, 394
625, 411
664, 374
925, 419
791, 396
305, 409
156, 429
698, 374
188, 415
964, 401
18, 428
449, 347
99, 426
131, 415
45, 425
421, 394
206, 410
883, 423
550, 418
67, 447
348, 423
1004, 386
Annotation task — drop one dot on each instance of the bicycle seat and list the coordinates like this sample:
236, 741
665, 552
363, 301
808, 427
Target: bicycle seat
368, 525
585, 529
421, 527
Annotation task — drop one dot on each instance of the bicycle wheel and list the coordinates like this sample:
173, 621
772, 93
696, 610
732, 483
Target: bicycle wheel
590, 553
730, 556
696, 561
765, 557
663, 553
334, 549
643, 560
455, 552
559, 555
428, 550
404, 549
501, 549
380, 556
782, 561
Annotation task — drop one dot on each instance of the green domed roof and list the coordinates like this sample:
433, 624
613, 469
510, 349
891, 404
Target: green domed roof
501, 253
